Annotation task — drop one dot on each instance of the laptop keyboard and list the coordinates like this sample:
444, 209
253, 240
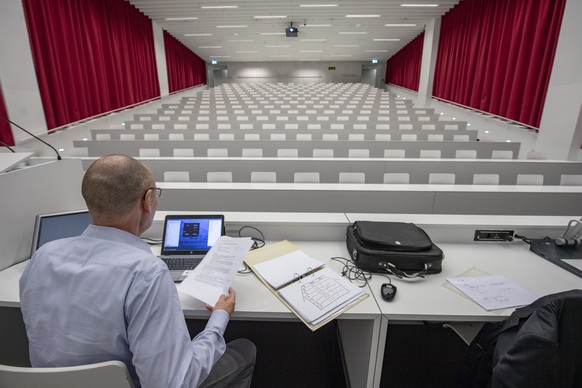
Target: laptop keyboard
182, 263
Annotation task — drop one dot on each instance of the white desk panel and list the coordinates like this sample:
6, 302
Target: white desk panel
9, 160
428, 300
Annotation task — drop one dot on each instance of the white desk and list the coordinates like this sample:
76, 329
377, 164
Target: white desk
372, 198
10, 160
364, 328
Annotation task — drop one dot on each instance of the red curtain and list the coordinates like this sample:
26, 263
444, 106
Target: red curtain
497, 56
185, 69
5, 131
403, 68
91, 56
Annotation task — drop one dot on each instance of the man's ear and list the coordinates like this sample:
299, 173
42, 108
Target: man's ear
147, 202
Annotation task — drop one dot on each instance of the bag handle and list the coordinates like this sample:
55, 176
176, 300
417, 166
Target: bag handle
402, 274
391, 268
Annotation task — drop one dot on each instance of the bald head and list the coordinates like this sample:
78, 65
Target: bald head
113, 185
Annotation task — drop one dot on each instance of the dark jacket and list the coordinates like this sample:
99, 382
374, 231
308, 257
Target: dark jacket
541, 345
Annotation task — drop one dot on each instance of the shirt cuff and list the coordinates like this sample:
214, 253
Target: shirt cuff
218, 320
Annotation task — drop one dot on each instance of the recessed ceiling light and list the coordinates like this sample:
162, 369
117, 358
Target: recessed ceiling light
246, 52
353, 33
346, 45
362, 16
184, 18
219, 6
419, 5
277, 45
272, 33
311, 51
236, 26
317, 5
341, 55
205, 34
386, 40
317, 25
61, 149
376, 51
219, 56
399, 25
280, 56
313, 40
271, 17
240, 40
208, 47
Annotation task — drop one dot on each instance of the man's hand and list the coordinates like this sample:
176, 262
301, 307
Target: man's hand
225, 303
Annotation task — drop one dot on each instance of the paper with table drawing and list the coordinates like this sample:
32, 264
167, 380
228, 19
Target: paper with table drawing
493, 291
320, 295
214, 275
287, 268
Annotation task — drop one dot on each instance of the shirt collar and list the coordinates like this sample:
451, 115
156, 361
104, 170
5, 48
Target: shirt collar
117, 235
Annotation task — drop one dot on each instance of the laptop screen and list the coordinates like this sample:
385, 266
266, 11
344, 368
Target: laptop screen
54, 226
191, 234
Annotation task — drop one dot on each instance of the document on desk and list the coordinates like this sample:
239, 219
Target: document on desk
320, 295
313, 292
287, 268
493, 292
214, 275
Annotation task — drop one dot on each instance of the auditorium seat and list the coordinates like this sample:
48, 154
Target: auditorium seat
397, 178
176, 176
183, 152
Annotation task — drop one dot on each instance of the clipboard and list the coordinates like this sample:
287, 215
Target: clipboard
282, 248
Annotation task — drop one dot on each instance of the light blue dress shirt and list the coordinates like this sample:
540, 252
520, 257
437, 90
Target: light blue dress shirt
104, 296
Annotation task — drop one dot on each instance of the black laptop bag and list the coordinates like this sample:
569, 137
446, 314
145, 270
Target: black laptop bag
399, 248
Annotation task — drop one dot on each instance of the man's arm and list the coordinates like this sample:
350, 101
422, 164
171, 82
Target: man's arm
163, 354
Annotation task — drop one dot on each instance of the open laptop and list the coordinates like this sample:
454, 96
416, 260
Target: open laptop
53, 226
187, 239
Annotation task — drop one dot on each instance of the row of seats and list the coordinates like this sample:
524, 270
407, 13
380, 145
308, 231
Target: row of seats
223, 134
360, 177
303, 149
166, 123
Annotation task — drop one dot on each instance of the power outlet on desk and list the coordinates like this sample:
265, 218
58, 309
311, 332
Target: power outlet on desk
493, 235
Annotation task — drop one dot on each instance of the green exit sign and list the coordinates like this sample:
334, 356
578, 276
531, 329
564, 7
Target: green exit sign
331, 68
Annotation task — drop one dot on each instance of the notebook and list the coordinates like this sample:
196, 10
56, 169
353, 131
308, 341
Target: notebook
187, 239
54, 226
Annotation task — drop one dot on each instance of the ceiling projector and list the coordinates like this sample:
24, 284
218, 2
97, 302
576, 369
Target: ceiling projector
291, 32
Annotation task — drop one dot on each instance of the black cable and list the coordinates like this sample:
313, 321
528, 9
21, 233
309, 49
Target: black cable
523, 238
257, 242
352, 272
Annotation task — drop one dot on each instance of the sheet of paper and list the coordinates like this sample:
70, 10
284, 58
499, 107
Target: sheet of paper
493, 291
215, 273
284, 269
320, 295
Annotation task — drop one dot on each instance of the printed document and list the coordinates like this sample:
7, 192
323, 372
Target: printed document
493, 292
215, 273
320, 295
287, 268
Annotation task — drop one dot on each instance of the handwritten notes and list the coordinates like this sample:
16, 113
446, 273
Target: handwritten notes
493, 292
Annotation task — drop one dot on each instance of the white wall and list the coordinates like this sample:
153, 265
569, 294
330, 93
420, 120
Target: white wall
561, 125
160, 51
17, 74
294, 72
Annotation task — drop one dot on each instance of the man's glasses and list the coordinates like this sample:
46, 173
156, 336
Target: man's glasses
156, 190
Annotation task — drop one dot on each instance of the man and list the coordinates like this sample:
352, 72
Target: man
104, 296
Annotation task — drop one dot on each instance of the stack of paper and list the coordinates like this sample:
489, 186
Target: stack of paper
321, 295
313, 292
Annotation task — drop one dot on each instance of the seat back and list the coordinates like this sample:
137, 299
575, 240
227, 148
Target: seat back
110, 374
